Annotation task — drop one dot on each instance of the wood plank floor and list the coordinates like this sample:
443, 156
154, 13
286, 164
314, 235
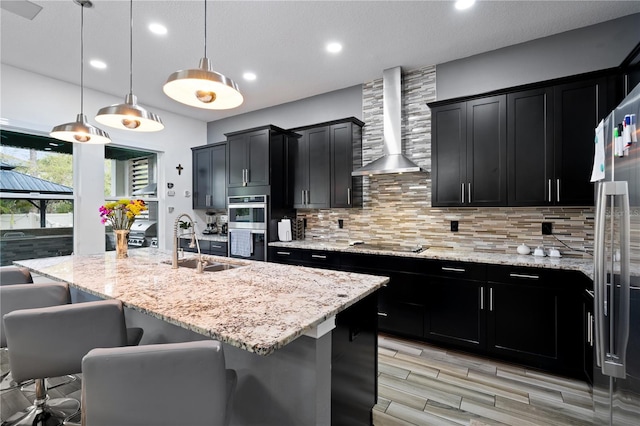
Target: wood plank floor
420, 384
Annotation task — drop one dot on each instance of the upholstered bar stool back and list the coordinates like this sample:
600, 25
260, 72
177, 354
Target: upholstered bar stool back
27, 296
50, 342
166, 384
10, 275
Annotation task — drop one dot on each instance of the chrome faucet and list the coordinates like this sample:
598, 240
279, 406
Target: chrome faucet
174, 261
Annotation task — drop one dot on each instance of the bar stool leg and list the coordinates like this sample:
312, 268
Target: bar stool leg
44, 411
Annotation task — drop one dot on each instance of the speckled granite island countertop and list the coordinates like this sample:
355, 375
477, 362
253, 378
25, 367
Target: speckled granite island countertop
584, 265
259, 307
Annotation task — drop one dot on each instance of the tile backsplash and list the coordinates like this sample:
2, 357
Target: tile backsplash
398, 207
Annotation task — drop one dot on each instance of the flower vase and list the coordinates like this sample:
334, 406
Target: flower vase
122, 243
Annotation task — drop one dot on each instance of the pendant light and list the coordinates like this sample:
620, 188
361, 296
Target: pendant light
130, 115
80, 130
202, 87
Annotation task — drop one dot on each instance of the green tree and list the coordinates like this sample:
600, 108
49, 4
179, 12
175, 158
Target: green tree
57, 168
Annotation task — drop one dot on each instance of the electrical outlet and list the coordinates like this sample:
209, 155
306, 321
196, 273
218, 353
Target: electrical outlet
454, 226
547, 228
340, 223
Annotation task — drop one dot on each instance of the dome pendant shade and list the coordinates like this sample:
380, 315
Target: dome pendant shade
203, 88
129, 116
80, 132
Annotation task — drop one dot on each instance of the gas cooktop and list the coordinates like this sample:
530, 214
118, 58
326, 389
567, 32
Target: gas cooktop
389, 247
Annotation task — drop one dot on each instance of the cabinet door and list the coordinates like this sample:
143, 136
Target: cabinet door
318, 195
218, 199
578, 107
237, 160
400, 305
449, 148
522, 322
341, 165
455, 312
202, 181
258, 158
530, 147
300, 157
486, 183
588, 332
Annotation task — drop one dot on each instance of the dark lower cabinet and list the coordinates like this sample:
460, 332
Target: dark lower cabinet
401, 304
532, 316
454, 312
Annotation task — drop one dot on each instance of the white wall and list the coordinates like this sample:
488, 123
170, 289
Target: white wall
34, 103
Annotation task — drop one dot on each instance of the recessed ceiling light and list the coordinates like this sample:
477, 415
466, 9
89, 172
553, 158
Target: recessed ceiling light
464, 4
334, 47
158, 29
249, 76
96, 63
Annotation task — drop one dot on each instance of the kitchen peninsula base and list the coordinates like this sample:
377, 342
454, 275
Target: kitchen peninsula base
285, 377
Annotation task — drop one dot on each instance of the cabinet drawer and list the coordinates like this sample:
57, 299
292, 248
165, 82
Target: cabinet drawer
461, 270
285, 255
218, 248
521, 275
321, 258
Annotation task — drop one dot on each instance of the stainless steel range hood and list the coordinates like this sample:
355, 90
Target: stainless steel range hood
393, 161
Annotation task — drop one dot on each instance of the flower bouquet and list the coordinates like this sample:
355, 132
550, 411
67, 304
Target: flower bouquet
120, 215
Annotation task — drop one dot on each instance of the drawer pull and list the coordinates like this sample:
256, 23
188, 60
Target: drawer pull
283, 253
382, 314
445, 268
318, 256
530, 277
216, 246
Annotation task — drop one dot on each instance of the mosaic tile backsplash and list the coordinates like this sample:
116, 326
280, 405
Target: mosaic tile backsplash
398, 207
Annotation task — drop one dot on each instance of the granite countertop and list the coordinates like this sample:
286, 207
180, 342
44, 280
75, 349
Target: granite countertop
258, 307
584, 265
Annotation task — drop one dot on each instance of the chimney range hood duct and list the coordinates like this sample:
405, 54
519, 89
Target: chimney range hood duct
393, 161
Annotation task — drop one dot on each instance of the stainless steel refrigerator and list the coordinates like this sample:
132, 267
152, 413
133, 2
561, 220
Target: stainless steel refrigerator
617, 267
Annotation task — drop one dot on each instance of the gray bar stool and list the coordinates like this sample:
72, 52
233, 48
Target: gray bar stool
145, 385
50, 342
10, 275
27, 296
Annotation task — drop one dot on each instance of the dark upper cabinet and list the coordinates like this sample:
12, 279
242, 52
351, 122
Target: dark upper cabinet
469, 153
578, 108
209, 176
312, 169
449, 150
324, 157
248, 156
530, 147
346, 154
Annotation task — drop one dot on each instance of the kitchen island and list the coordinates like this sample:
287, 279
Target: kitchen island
275, 320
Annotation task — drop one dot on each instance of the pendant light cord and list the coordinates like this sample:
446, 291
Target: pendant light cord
205, 28
82, 58
131, 47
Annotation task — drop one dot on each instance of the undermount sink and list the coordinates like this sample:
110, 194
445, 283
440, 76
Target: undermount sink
210, 266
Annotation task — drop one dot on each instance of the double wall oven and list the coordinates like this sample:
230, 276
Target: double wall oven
247, 226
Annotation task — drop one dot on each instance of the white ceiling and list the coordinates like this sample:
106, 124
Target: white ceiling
281, 41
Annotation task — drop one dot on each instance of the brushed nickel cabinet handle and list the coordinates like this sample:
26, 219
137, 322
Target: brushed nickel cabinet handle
446, 268
283, 253
549, 190
490, 299
469, 187
462, 192
318, 256
348, 195
482, 298
383, 314
530, 277
558, 190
